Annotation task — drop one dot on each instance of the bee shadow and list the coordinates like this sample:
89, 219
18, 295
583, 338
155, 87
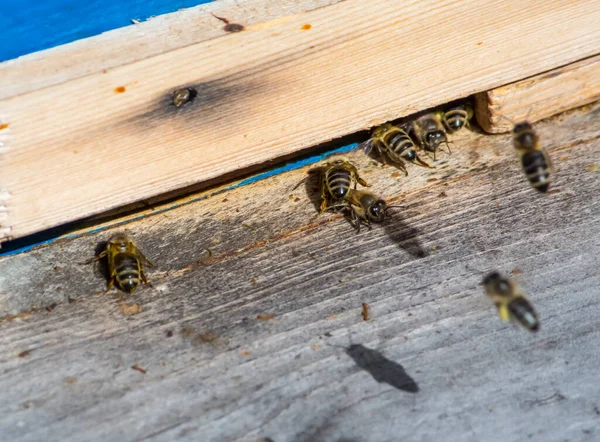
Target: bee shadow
312, 186
381, 368
101, 265
404, 236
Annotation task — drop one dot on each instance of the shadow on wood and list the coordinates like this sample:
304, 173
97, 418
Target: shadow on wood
381, 368
404, 236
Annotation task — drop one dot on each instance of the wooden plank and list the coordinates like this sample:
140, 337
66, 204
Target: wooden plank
276, 89
216, 372
132, 43
539, 97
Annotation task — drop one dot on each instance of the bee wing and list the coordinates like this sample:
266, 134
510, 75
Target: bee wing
367, 146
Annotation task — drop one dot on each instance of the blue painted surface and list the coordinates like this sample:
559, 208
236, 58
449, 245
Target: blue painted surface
307, 161
33, 25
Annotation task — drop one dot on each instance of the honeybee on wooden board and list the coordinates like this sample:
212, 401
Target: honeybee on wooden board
430, 133
396, 143
337, 179
457, 117
125, 263
362, 207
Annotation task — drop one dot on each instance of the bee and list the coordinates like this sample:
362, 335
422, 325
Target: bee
338, 177
396, 143
457, 117
534, 159
363, 208
429, 131
125, 263
510, 302
184, 95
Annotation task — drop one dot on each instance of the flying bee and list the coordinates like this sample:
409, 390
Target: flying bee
338, 178
510, 302
396, 143
125, 263
534, 159
457, 117
429, 131
363, 208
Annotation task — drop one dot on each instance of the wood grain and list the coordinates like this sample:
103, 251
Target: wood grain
132, 43
433, 358
80, 148
539, 97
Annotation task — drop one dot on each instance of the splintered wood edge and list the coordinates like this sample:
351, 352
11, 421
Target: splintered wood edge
540, 96
112, 138
132, 43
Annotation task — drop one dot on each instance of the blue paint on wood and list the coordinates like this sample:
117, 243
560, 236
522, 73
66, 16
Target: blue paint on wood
307, 161
33, 25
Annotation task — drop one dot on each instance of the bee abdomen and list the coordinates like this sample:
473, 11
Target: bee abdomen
338, 183
523, 312
455, 119
127, 272
400, 142
536, 169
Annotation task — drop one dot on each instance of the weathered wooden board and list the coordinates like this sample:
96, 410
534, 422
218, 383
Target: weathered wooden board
317, 371
539, 97
112, 138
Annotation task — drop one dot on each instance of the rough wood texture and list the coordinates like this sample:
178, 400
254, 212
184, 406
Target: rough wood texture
539, 97
126, 45
108, 139
432, 360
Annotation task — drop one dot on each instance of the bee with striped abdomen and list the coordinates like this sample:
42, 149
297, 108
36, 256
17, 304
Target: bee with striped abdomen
456, 117
429, 131
396, 143
362, 208
510, 302
125, 263
534, 158
338, 178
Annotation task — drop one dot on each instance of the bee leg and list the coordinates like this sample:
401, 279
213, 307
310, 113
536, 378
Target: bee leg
402, 167
323, 207
144, 259
323, 199
144, 279
111, 282
448, 146
418, 161
397, 160
300, 183
354, 220
503, 312
360, 181
96, 258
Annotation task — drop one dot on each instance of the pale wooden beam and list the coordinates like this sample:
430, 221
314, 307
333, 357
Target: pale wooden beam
111, 138
132, 43
540, 96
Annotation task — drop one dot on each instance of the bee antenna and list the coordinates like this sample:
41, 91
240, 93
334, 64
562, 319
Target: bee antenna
391, 207
301, 182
